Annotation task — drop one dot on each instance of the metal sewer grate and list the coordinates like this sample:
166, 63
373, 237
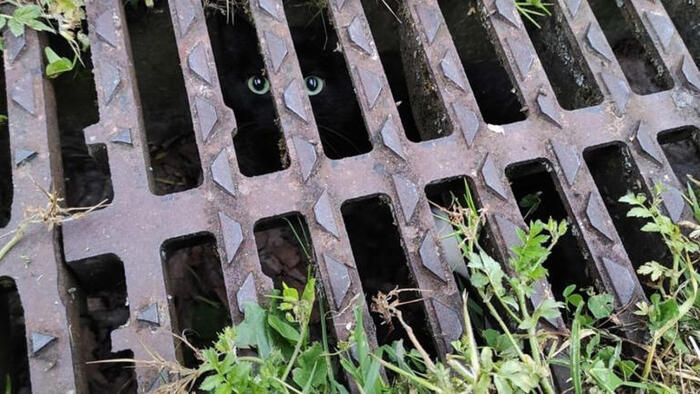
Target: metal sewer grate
449, 139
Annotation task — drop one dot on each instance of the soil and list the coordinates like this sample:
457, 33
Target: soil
197, 291
13, 350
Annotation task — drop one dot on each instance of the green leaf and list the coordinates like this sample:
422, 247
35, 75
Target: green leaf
253, 330
639, 212
604, 377
600, 305
311, 368
211, 382
283, 328
56, 65
3, 21
16, 27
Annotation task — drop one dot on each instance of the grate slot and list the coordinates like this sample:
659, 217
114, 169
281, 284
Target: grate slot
490, 82
556, 46
381, 263
539, 197
682, 149
175, 165
685, 15
615, 174
444, 195
258, 141
338, 116
6, 187
14, 362
85, 167
197, 297
641, 64
406, 71
285, 249
101, 300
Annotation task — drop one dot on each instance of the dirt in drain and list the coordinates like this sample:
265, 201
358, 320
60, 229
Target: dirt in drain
100, 297
286, 256
14, 364
197, 293
382, 265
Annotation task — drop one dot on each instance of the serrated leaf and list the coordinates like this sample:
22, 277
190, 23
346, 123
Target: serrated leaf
639, 212
16, 27
600, 305
604, 377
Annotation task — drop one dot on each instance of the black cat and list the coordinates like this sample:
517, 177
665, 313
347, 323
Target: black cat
246, 90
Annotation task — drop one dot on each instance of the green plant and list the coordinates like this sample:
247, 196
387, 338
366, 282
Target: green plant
530, 9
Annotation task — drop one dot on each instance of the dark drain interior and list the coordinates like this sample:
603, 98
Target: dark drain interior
259, 143
6, 189
100, 298
633, 49
382, 265
615, 175
284, 249
562, 60
85, 167
445, 194
685, 15
14, 364
327, 81
197, 297
540, 198
491, 84
682, 149
406, 70
174, 159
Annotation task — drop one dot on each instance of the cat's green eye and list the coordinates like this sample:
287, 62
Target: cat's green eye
313, 85
258, 84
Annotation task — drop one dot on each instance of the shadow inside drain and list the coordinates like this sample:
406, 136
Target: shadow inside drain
539, 198
497, 97
197, 297
6, 187
100, 298
641, 64
452, 195
327, 82
685, 15
14, 363
174, 163
615, 175
382, 265
422, 116
85, 167
556, 46
259, 143
682, 149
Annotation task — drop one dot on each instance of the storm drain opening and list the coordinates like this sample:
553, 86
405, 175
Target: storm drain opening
327, 81
100, 297
682, 149
382, 265
172, 149
685, 15
285, 250
14, 363
641, 64
450, 195
539, 198
197, 299
406, 70
494, 91
556, 46
259, 143
87, 178
6, 188
615, 174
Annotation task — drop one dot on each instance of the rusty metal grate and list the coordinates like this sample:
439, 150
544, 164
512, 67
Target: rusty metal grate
449, 139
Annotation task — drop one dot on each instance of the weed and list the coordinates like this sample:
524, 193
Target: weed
53, 214
533, 8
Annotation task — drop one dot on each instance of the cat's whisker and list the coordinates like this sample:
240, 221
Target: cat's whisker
339, 135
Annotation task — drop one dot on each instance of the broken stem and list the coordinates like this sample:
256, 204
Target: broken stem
14, 240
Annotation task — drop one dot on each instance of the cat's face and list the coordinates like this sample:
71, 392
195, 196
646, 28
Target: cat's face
326, 83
